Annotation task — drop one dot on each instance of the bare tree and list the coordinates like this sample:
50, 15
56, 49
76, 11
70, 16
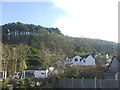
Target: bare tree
22, 52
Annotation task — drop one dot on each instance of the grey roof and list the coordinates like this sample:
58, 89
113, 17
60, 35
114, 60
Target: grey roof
85, 56
113, 59
80, 56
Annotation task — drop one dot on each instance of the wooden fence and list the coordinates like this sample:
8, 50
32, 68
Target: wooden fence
87, 83
78, 83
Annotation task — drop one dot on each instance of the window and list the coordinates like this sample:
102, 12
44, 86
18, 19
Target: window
80, 59
76, 59
84, 61
42, 73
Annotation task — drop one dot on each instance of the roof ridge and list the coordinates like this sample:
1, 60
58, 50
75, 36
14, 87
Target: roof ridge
85, 56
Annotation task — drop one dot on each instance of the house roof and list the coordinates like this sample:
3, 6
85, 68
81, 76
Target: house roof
85, 56
35, 68
117, 57
73, 56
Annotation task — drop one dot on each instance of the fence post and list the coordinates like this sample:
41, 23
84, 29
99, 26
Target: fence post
72, 82
56, 82
82, 82
64, 82
100, 83
95, 82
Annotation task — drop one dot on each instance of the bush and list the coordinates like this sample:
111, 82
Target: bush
88, 72
14, 82
27, 82
4, 85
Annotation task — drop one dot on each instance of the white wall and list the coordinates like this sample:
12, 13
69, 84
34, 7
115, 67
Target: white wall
37, 73
41, 74
76, 62
89, 60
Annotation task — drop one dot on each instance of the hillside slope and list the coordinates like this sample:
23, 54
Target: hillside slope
51, 38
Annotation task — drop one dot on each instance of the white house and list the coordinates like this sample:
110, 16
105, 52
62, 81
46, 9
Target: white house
80, 60
99, 54
41, 74
36, 73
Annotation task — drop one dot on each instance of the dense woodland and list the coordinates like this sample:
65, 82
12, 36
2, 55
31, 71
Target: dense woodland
34, 46
41, 37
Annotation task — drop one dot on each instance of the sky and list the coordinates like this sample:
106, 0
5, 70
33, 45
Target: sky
77, 18
39, 13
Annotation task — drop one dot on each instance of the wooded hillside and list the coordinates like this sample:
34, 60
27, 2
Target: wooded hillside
51, 38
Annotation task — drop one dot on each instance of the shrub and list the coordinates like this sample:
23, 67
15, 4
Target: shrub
27, 82
4, 85
88, 72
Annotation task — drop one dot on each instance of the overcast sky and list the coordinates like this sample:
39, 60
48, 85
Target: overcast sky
77, 18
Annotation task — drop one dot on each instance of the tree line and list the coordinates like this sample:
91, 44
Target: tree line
52, 38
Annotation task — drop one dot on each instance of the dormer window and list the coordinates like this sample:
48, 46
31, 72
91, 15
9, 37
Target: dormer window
76, 60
